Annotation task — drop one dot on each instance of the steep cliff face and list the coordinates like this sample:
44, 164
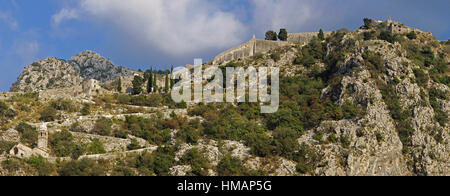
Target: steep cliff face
401, 82
49, 73
91, 65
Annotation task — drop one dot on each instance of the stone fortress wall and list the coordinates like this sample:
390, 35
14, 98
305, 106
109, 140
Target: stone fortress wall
255, 46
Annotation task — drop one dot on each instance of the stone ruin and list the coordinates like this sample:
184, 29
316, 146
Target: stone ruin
22, 151
90, 86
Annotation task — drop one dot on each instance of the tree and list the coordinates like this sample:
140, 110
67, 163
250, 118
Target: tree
283, 35
321, 35
271, 35
155, 86
171, 80
119, 85
166, 85
137, 85
150, 81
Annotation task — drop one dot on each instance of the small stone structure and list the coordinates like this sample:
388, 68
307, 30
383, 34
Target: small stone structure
90, 86
11, 135
22, 151
396, 27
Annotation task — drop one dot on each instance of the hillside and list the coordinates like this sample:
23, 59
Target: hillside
373, 101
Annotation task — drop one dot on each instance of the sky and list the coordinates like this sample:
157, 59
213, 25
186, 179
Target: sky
159, 33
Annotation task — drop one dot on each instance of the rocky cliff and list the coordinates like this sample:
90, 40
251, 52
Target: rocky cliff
91, 65
49, 73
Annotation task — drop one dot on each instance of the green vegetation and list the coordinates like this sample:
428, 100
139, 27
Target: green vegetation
283, 35
86, 110
28, 134
321, 35
103, 126
42, 166
440, 115
95, 147
151, 130
271, 35
137, 85
48, 114
62, 144
83, 167
119, 85
134, 145
196, 160
6, 112
230, 166
158, 163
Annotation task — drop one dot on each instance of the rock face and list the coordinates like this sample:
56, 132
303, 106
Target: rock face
91, 65
49, 73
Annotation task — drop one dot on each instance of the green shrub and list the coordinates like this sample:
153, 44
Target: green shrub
103, 126
123, 98
29, 134
84, 167
275, 56
86, 110
6, 112
352, 110
42, 166
5, 146
198, 163
345, 140
63, 105
62, 145
230, 166
421, 78
134, 145
285, 142
158, 162
189, 135
260, 144
48, 114
95, 147
307, 159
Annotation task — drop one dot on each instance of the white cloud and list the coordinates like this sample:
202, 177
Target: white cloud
182, 27
290, 14
9, 20
63, 15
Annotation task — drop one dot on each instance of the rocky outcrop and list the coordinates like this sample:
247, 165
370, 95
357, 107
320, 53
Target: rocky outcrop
49, 73
91, 65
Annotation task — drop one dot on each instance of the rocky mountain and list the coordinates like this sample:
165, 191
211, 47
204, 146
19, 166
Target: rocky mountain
374, 101
49, 73
91, 65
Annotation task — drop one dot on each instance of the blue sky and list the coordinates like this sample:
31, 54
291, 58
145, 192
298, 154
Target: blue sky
159, 33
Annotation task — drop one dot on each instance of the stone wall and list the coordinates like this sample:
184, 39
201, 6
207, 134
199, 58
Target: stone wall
255, 46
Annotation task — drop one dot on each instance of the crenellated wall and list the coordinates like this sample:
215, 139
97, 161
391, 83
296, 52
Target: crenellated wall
255, 46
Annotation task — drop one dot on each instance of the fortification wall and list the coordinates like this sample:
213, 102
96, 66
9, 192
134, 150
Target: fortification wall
304, 38
255, 46
263, 46
243, 50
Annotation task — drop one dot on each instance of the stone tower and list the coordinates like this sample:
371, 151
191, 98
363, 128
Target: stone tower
43, 138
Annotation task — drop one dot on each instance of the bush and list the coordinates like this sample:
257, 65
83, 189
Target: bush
84, 167
29, 134
134, 145
307, 159
145, 128
48, 114
63, 105
42, 166
285, 142
260, 144
198, 163
369, 35
230, 166
123, 98
62, 145
158, 162
421, 78
188, 135
275, 56
6, 112
352, 110
86, 110
411, 35
5, 146
95, 147
103, 126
